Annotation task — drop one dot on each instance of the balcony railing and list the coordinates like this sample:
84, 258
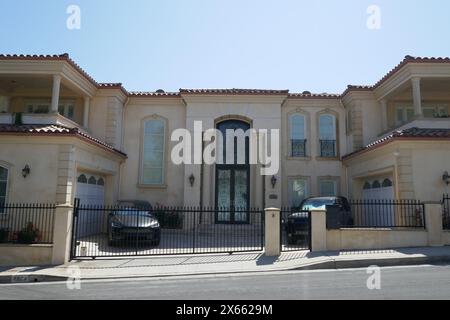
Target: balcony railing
328, 148
298, 148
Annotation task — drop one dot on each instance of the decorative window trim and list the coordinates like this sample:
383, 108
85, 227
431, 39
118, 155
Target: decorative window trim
141, 183
307, 125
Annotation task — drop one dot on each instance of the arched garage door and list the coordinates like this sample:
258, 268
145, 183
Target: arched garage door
91, 192
378, 190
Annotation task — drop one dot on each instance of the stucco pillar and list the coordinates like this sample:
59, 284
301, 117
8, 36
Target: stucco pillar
417, 97
433, 220
62, 234
55, 93
384, 118
87, 103
318, 231
272, 247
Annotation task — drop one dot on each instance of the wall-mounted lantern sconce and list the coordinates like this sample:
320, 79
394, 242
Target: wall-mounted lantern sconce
446, 178
273, 181
26, 171
192, 179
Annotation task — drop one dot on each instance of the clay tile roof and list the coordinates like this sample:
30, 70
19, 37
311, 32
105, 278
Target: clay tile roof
234, 91
64, 57
405, 61
314, 95
52, 129
411, 133
411, 59
153, 94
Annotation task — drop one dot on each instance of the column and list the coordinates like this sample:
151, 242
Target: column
318, 231
55, 93
87, 103
384, 118
272, 234
433, 223
417, 97
62, 234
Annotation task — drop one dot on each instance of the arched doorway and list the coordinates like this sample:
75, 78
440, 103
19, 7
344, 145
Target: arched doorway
233, 179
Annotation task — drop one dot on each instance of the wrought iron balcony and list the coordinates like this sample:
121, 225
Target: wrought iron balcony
328, 148
298, 148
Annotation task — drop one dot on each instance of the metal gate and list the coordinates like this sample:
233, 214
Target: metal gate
295, 230
111, 231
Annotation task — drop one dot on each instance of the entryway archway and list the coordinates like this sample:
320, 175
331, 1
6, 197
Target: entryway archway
232, 185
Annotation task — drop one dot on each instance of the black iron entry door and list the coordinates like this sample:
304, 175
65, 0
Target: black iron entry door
232, 191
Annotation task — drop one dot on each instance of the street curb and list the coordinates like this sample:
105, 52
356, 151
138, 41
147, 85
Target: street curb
323, 265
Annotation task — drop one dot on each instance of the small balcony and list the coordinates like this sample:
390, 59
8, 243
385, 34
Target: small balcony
39, 118
43, 100
328, 149
298, 148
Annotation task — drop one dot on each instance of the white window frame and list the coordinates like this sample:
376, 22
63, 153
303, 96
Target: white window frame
291, 131
64, 104
163, 167
290, 184
439, 109
404, 109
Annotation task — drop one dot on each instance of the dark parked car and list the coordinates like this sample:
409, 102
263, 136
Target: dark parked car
133, 221
338, 215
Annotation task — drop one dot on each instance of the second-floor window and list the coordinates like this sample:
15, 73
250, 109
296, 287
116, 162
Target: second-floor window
66, 109
298, 136
405, 114
152, 167
327, 133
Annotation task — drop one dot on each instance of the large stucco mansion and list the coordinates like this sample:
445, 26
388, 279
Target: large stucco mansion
64, 136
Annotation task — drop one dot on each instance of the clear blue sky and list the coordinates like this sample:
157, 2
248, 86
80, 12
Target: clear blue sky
319, 46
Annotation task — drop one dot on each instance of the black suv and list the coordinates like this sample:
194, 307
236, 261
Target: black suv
338, 215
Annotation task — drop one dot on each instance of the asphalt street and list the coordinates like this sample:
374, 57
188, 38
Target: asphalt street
418, 282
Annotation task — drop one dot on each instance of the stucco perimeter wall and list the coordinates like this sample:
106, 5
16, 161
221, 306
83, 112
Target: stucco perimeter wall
171, 110
25, 255
365, 239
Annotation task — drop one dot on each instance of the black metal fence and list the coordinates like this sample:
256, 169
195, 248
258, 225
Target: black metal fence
27, 223
446, 212
295, 228
385, 214
110, 231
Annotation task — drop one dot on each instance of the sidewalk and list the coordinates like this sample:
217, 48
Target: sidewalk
224, 264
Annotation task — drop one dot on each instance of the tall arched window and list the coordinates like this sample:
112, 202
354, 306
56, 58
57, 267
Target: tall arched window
152, 166
3, 186
327, 134
298, 135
